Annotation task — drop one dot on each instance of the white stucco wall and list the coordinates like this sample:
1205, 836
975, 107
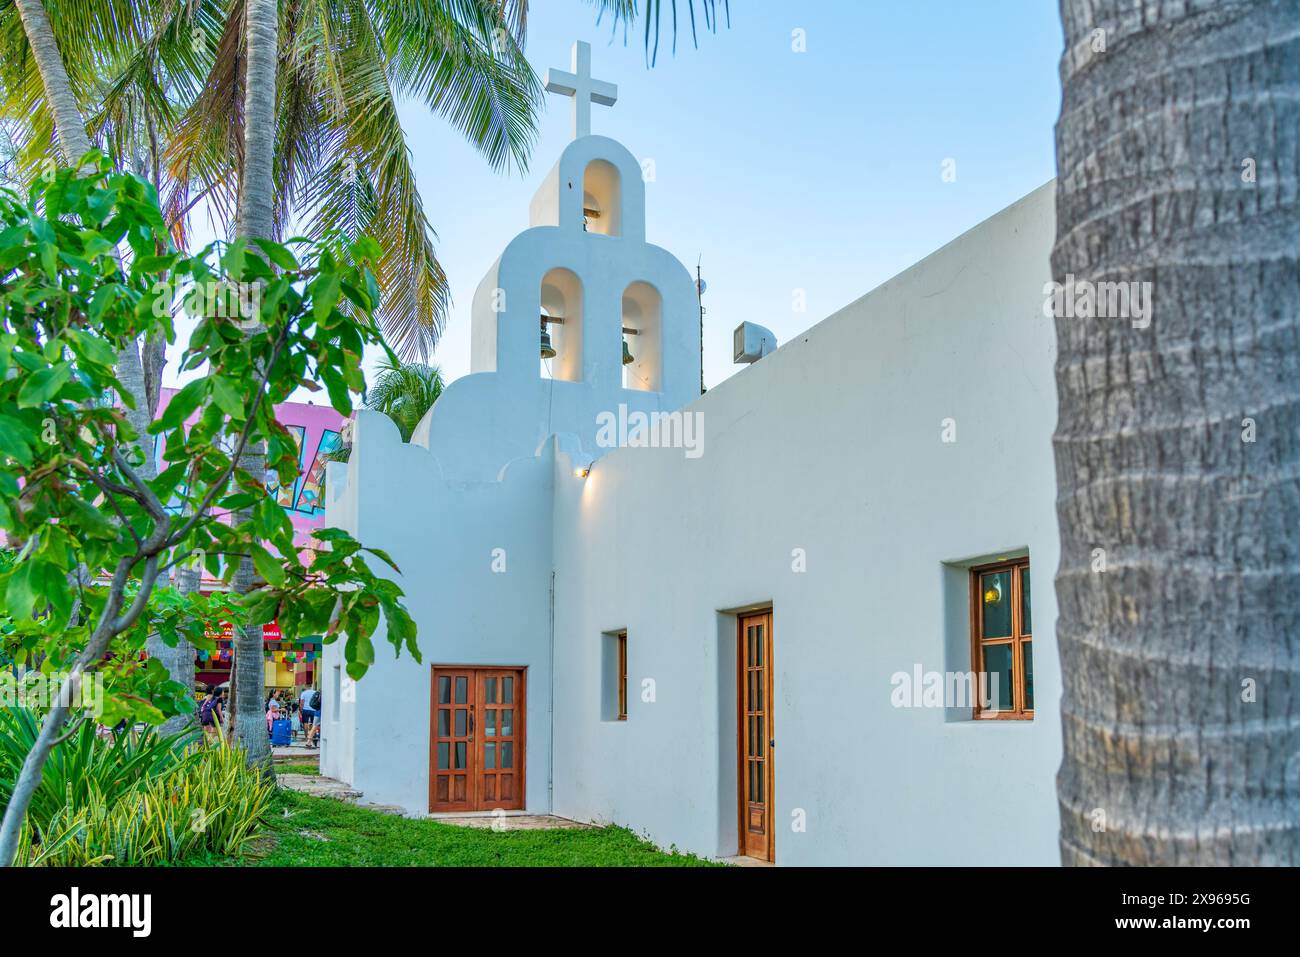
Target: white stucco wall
441, 534
831, 445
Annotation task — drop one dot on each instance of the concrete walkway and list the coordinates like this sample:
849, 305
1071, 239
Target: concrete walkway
318, 786
510, 822
296, 752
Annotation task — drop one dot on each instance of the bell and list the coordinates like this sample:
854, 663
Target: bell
627, 355
548, 350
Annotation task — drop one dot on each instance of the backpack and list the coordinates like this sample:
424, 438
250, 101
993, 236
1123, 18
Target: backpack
205, 712
315, 701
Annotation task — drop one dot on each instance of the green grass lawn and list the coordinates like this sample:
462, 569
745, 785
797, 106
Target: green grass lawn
319, 832
292, 767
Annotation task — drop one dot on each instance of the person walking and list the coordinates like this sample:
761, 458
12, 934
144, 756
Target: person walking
210, 715
309, 701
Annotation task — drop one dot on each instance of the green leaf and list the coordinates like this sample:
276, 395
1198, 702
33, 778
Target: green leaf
183, 403
233, 260
260, 608
49, 259
268, 566
324, 296
102, 299
227, 397
360, 655
15, 441
43, 385
383, 556
340, 398
155, 264
401, 629
42, 230
20, 596
91, 521
237, 501
92, 348
278, 255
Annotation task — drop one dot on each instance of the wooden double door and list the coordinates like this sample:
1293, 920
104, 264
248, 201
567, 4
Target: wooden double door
756, 739
477, 739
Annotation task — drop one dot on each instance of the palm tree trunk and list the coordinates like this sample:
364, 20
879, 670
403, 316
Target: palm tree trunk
248, 680
179, 661
71, 128
1177, 457
254, 216
254, 219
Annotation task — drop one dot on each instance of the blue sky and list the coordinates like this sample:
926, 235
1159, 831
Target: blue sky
817, 171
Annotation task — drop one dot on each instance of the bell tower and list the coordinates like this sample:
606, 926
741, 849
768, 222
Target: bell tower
579, 302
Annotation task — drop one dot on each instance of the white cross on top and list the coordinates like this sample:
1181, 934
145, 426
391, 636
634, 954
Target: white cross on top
584, 90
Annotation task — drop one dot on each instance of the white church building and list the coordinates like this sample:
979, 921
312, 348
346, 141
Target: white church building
790, 619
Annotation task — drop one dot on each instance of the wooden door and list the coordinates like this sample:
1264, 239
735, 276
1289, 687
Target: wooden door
476, 739
499, 759
756, 738
451, 784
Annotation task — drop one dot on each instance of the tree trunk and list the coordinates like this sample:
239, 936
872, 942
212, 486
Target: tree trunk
68, 123
254, 219
143, 381
179, 661
1178, 438
248, 717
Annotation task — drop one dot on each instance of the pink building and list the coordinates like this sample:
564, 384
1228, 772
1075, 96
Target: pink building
318, 431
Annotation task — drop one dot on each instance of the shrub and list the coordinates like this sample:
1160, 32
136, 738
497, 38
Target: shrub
86, 764
207, 801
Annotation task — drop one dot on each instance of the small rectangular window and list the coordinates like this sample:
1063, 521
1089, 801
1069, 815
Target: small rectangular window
622, 676
613, 675
336, 692
1002, 640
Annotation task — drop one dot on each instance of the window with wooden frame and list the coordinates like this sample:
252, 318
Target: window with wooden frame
1002, 649
621, 640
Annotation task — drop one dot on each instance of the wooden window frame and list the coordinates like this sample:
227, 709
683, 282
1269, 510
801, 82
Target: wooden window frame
1017, 640
621, 640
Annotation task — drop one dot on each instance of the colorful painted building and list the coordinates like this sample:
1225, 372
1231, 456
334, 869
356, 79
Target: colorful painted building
318, 430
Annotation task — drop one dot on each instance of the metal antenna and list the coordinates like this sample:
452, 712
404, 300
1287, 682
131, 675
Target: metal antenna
699, 295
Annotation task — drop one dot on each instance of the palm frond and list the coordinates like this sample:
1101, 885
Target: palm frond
405, 392
465, 60
625, 12
204, 154
367, 185
96, 39
158, 79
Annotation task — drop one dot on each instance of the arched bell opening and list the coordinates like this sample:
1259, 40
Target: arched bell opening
602, 201
560, 326
642, 338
